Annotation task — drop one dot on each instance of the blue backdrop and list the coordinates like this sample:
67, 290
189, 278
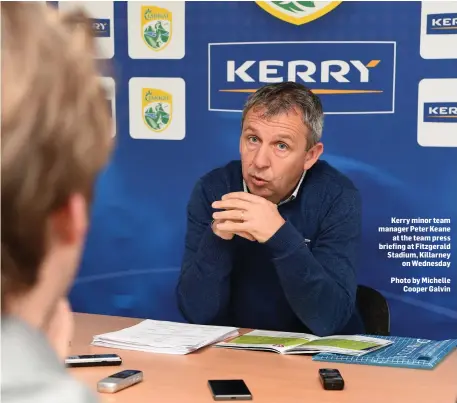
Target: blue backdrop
135, 245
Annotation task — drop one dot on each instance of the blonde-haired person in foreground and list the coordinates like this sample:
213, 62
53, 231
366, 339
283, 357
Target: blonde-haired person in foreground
56, 137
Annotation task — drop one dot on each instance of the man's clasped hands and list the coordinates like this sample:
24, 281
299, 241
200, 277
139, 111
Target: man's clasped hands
246, 215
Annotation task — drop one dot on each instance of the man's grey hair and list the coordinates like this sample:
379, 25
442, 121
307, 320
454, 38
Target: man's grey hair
284, 97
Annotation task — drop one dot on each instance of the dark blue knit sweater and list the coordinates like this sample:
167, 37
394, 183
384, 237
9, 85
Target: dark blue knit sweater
287, 283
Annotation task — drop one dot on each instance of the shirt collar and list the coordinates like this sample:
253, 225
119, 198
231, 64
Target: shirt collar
291, 197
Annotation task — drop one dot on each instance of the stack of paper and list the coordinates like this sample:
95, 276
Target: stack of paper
164, 337
303, 343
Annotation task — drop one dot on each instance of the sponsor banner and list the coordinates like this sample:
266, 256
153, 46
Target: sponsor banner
156, 30
101, 14
157, 108
349, 77
438, 39
437, 113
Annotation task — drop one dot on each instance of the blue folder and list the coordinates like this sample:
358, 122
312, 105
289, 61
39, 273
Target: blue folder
405, 352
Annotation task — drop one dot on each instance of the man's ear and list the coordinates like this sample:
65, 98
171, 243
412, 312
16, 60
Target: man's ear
69, 223
313, 155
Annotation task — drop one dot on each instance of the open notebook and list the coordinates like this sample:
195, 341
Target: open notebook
303, 343
164, 337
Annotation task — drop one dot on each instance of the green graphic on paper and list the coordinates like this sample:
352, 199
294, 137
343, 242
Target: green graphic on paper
343, 343
283, 341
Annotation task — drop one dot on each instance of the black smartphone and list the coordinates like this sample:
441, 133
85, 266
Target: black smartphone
331, 379
93, 360
229, 389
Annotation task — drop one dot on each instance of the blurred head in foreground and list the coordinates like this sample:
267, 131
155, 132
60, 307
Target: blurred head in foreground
56, 137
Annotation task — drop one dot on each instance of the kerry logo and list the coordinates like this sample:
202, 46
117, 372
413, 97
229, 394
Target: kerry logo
157, 109
298, 12
156, 26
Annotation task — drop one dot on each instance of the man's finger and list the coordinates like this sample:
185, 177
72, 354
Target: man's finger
237, 215
231, 204
247, 197
246, 235
232, 226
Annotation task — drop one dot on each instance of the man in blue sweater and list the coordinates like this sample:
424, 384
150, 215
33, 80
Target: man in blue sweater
272, 240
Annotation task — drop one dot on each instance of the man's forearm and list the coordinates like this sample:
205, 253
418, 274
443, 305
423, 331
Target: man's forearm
204, 284
322, 302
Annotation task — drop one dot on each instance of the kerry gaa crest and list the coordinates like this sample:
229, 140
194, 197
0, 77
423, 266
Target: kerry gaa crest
298, 12
157, 109
156, 25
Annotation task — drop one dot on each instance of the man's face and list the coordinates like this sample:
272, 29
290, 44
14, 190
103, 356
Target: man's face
273, 153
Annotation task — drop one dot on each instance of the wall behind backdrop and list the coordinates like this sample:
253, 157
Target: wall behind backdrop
387, 76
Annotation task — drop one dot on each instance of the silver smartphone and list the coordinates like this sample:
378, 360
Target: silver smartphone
120, 380
229, 389
93, 360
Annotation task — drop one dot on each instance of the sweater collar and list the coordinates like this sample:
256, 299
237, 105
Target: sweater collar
293, 196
